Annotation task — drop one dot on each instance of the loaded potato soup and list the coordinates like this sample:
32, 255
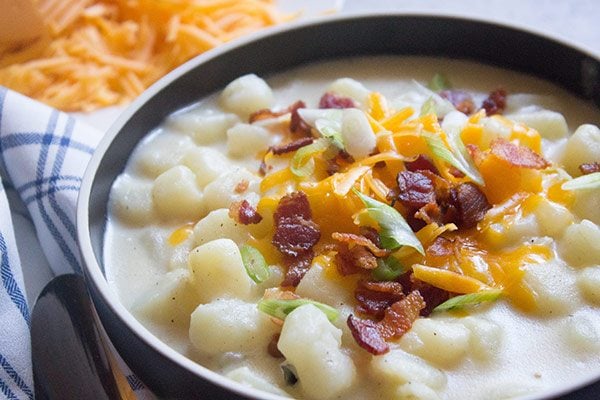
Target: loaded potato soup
402, 228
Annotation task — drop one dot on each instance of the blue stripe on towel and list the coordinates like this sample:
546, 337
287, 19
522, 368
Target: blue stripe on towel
48, 179
5, 389
135, 383
19, 139
43, 193
15, 376
10, 284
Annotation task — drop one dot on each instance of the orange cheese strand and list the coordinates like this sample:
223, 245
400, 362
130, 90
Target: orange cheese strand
448, 280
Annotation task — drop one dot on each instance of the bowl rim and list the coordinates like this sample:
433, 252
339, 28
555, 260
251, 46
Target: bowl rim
91, 267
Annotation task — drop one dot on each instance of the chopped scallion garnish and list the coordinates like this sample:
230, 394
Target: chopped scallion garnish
388, 269
469, 300
282, 308
255, 264
439, 82
584, 182
394, 230
302, 163
428, 107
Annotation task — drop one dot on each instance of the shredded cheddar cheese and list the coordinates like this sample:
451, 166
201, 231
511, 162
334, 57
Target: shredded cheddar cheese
98, 53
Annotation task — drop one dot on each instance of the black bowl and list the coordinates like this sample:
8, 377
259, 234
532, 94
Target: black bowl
165, 371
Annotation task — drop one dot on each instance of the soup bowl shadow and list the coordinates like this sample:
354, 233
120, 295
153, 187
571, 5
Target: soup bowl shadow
170, 374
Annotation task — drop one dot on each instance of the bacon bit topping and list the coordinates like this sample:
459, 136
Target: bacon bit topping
495, 102
331, 100
374, 297
461, 100
291, 146
297, 124
415, 189
358, 240
354, 260
265, 113
399, 317
242, 186
371, 234
421, 163
469, 203
297, 267
272, 347
243, 213
295, 235
432, 295
518, 156
367, 335
441, 247
589, 168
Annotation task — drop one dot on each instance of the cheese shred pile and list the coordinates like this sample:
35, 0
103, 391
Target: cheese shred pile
99, 53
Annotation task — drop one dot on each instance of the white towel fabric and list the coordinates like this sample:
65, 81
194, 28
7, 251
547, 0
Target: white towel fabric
43, 154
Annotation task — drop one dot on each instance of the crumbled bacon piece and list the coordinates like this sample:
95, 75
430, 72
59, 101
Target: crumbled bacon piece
291, 146
297, 267
441, 247
242, 212
589, 168
242, 186
399, 317
421, 163
429, 213
371, 234
358, 240
266, 113
297, 124
295, 235
272, 347
354, 260
495, 102
367, 335
518, 156
460, 99
467, 205
432, 295
374, 297
415, 189
331, 100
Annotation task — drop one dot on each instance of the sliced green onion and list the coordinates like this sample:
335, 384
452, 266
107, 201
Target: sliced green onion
255, 264
281, 308
388, 269
469, 300
331, 130
453, 157
428, 107
584, 182
302, 163
394, 230
438, 83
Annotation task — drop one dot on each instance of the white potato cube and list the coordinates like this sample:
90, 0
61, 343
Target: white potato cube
493, 128
312, 345
176, 194
516, 231
171, 301
245, 95
219, 225
581, 335
439, 342
246, 376
204, 128
550, 124
553, 286
552, 218
580, 245
400, 367
245, 140
357, 135
218, 271
206, 163
161, 153
317, 286
131, 200
582, 147
588, 282
587, 205
485, 339
230, 325
349, 87
235, 185
416, 391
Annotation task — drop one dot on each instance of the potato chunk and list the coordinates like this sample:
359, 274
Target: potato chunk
349, 87
206, 163
580, 245
552, 218
582, 147
312, 345
176, 194
204, 128
245, 140
550, 124
416, 391
358, 137
161, 153
246, 376
581, 335
225, 325
588, 282
218, 271
219, 225
553, 286
485, 339
245, 95
131, 200
400, 367
440, 342
232, 186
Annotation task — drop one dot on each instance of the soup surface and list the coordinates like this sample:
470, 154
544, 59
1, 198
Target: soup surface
413, 228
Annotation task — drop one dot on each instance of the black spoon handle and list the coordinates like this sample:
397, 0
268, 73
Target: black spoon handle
69, 360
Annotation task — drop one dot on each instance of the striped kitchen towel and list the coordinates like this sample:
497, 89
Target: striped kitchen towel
43, 154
